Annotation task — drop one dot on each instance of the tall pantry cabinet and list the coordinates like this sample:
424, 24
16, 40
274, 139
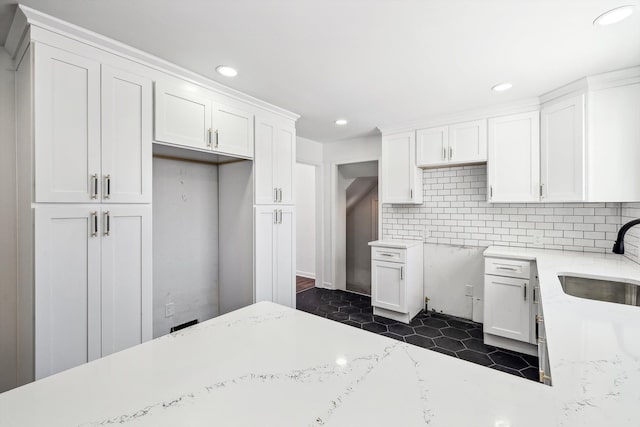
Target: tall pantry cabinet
84, 194
274, 210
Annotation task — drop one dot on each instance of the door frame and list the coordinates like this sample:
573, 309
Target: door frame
319, 225
338, 261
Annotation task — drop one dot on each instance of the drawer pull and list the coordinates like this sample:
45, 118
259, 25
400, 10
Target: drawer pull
390, 255
507, 268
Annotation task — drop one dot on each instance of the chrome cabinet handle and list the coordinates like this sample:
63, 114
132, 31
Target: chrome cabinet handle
275, 216
107, 186
411, 193
275, 194
536, 297
525, 291
107, 223
387, 255
401, 273
94, 224
444, 153
280, 195
450, 152
209, 131
94, 182
215, 133
506, 268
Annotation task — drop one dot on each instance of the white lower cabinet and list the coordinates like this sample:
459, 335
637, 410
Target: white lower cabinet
275, 254
92, 290
513, 319
513, 310
396, 279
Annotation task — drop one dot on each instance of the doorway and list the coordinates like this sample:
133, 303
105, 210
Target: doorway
306, 224
360, 184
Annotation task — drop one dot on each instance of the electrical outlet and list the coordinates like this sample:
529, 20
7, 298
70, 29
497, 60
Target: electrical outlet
169, 310
468, 290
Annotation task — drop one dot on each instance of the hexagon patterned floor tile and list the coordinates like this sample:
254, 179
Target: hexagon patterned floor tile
434, 331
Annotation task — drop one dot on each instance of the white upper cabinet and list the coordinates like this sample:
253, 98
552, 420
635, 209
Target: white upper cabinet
66, 126
182, 115
401, 178
455, 144
468, 142
126, 137
432, 146
514, 158
274, 161
92, 139
284, 162
232, 130
562, 149
194, 117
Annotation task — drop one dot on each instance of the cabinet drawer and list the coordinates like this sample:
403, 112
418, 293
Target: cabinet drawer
507, 267
388, 254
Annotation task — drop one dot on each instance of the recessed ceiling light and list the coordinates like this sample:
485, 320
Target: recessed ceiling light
614, 16
226, 71
341, 361
341, 122
501, 87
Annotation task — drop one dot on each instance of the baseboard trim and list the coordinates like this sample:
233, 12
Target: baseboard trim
306, 275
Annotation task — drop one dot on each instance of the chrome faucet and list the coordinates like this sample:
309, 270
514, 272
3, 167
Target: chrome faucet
618, 246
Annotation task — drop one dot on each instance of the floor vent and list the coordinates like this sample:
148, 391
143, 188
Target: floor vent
184, 325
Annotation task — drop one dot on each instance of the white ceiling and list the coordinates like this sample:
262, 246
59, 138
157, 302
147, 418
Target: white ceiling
374, 62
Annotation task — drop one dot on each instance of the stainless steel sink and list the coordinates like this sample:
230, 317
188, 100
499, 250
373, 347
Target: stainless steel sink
601, 289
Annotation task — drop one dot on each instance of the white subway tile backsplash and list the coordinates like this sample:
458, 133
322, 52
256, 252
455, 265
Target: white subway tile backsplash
455, 211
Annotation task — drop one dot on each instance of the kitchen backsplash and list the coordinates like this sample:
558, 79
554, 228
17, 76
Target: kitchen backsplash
629, 212
455, 211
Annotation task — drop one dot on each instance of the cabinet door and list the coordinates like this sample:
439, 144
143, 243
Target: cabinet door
126, 277
126, 137
233, 130
562, 147
398, 168
285, 285
514, 158
182, 116
507, 311
432, 146
468, 142
265, 253
67, 288
263, 162
284, 163
67, 126
388, 285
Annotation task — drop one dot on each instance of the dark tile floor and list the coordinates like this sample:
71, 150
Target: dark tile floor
438, 332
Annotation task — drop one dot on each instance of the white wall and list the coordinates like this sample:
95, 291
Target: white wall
305, 220
185, 242
349, 151
447, 271
236, 235
8, 257
308, 151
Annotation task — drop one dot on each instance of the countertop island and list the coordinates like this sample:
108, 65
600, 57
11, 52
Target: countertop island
268, 365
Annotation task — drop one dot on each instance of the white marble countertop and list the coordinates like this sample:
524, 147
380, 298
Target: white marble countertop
268, 365
594, 346
404, 244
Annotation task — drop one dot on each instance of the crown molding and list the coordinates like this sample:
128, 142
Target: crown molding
521, 106
26, 17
